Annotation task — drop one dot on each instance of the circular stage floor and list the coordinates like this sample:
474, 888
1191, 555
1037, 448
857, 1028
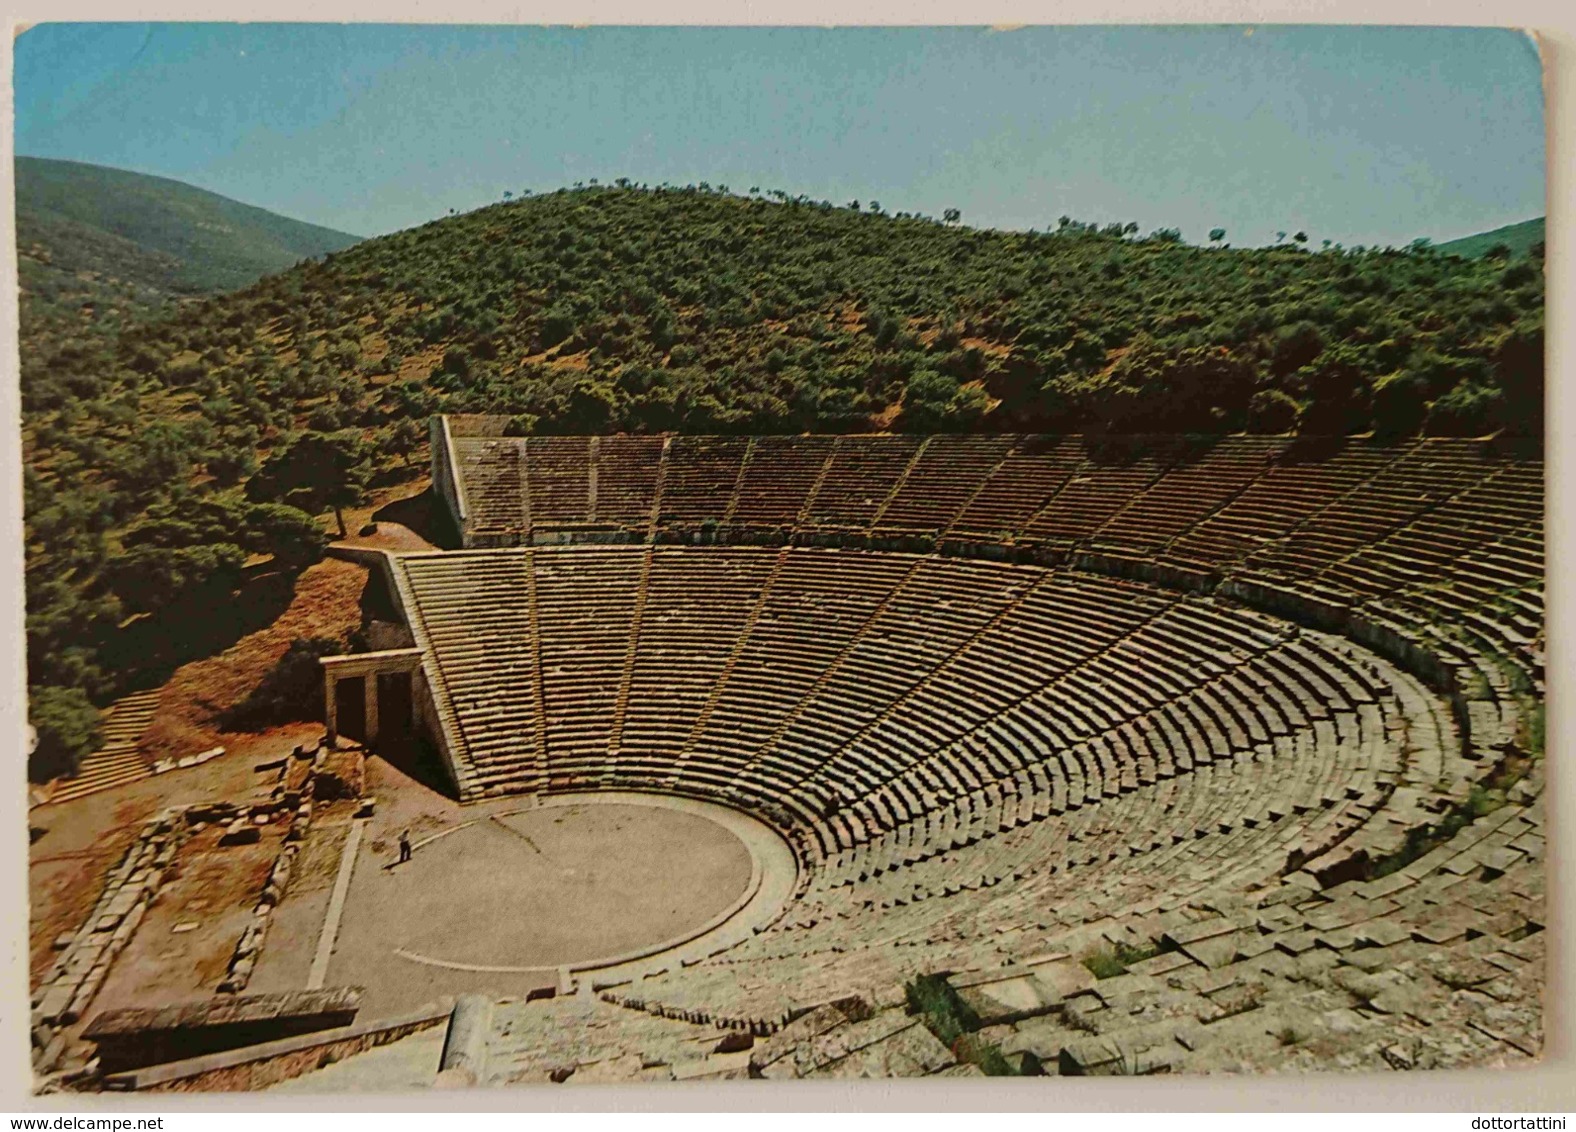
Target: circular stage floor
567, 884
578, 891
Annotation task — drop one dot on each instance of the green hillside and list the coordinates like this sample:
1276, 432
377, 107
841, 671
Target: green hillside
624, 308
98, 247
1520, 239
204, 242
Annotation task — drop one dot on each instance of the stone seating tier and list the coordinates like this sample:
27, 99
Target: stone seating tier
890, 707
1150, 690
1440, 526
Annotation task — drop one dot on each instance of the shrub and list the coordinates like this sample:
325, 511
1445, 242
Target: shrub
67, 728
934, 1000
149, 578
288, 533
1467, 410
1295, 346
557, 324
928, 399
1273, 411
1399, 404
954, 1022
1338, 393
1109, 962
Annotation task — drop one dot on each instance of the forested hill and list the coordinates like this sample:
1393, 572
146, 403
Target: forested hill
621, 308
1521, 239
100, 245
611, 308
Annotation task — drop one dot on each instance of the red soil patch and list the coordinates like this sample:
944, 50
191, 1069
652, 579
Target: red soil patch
887, 417
374, 347
986, 346
851, 318
578, 362
326, 604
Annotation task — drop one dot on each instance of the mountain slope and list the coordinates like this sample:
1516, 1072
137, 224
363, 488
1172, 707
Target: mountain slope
626, 309
99, 247
200, 241
1519, 238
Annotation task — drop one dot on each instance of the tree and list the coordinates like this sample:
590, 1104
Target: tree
288, 533
1469, 409
161, 456
148, 578
403, 437
927, 399
1216, 235
1518, 369
1272, 411
66, 726
1294, 346
1301, 237
314, 471
1399, 403
1156, 388
1338, 392
951, 216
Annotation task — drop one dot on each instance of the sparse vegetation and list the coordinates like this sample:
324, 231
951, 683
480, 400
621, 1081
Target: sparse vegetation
955, 1023
1481, 800
1109, 962
1290, 1035
938, 1005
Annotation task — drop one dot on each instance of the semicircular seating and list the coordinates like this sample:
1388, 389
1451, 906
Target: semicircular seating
1003, 695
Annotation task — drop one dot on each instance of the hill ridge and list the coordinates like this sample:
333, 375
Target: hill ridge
621, 309
1519, 237
122, 202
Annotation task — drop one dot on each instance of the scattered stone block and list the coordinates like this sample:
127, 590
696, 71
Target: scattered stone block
1007, 999
240, 832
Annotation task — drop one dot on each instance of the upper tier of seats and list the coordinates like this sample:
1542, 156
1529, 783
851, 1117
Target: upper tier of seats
1422, 532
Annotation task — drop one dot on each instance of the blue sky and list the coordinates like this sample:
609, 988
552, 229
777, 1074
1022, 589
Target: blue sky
1358, 135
